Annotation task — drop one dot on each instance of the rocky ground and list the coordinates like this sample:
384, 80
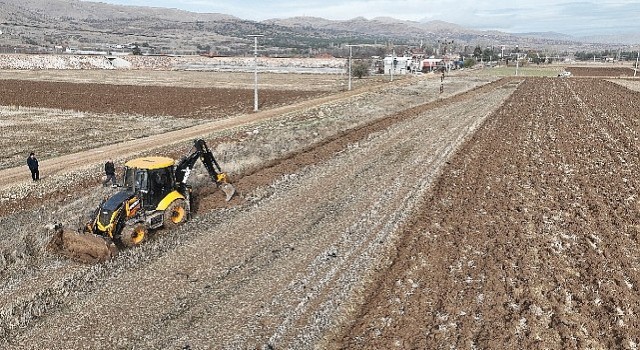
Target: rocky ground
495, 215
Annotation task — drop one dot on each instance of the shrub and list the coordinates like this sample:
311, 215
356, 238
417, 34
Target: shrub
360, 69
468, 63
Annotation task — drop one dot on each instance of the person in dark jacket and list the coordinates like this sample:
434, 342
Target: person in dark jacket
32, 163
110, 172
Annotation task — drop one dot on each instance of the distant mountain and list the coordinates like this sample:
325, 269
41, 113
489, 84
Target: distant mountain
97, 11
625, 39
385, 28
48, 25
547, 35
620, 39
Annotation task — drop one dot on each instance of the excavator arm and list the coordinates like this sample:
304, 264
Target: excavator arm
207, 159
201, 151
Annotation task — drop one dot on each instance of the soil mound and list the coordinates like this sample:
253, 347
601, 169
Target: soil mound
82, 247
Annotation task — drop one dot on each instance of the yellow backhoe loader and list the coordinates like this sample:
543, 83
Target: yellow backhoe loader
154, 194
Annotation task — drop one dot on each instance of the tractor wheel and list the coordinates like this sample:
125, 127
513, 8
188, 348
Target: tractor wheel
133, 235
175, 214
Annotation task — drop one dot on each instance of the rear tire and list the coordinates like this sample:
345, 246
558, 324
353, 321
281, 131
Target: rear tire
175, 214
134, 235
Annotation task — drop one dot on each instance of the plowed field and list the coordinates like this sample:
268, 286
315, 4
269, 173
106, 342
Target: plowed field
495, 215
529, 239
139, 99
601, 71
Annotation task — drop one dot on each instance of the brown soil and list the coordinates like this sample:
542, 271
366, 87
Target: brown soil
209, 103
90, 249
530, 237
250, 262
457, 222
600, 71
83, 247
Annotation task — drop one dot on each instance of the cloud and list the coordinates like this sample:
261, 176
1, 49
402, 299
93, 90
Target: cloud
576, 18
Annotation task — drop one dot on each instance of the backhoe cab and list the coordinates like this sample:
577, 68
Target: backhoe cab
150, 198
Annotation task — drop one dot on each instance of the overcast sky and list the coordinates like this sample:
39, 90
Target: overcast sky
514, 16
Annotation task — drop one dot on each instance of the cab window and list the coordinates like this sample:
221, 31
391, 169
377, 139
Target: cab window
135, 179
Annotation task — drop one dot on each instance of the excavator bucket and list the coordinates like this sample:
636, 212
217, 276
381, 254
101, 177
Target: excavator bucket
222, 179
83, 247
228, 190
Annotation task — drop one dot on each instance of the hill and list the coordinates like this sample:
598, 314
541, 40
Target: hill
38, 25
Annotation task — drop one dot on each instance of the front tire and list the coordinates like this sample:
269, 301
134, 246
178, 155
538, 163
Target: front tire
134, 235
175, 214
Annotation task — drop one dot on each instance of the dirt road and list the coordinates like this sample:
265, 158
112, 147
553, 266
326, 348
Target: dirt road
126, 149
281, 271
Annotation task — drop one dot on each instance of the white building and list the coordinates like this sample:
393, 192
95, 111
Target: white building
399, 65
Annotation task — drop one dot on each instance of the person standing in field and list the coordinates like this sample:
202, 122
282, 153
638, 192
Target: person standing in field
32, 163
110, 172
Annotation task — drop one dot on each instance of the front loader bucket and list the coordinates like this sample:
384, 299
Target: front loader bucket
83, 247
228, 190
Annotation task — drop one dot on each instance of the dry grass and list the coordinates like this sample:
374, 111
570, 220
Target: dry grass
628, 83
283, 81
52, 132
523, 71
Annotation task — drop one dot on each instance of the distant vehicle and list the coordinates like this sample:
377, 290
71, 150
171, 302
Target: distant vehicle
564, 74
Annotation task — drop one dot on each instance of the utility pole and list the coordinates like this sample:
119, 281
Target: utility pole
393, 66
637, 58
255, 70
350, 55
350, 46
